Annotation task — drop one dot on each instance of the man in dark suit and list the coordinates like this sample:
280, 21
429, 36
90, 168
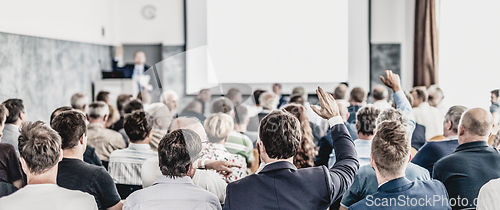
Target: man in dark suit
280, 185
131, 70
390, 153
473, 163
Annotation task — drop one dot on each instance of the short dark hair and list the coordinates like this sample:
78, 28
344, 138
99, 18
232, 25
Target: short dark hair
39, 146
390, 148
177, 151
339, 92
4, 113
358, 94
366, 119
102, 96
256, 96
133, 105
71, 125
122, 100
298, 99
421, 93
279, 131
15, 107
277, 84
240, 115
495, 92
232, 93
136, 126
58, 111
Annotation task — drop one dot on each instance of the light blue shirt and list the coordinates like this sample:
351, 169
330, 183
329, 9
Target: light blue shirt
404, 105
172, 193
363, 148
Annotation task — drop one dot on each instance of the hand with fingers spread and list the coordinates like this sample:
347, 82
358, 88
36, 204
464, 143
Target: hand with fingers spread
392, 80
329, 107
222, 167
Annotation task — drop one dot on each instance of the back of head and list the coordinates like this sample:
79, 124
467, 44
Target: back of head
184, 123
71, 125
194, 106
435, 91
15, 107
391, 148
240, 115
136, 126
343, 111
169, 97
269, 100
98, 110
218, 127
122, 100
409, 97
391, 114
222, 105
144, 96
256, 95
298, 111
298, 100
102, 96
421, 93
380, 92
158, 113
133, 105
339, 92
234, 95
4, 112
39, 146
78, 101
177, 151
453, 115
58, 111
495, 92
358, 95
477, 122
366, 119
280, 134
301, 92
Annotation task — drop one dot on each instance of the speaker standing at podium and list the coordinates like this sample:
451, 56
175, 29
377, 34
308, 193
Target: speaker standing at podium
131, 70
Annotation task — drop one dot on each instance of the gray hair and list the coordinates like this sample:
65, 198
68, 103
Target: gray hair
223, 105
98, 109
241, 114
269, 100
78, 100
156, 111
183, 123
453, 115
380, 92
168, 97
218, 126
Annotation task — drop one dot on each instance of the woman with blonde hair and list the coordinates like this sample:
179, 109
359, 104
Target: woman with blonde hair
218, 127
306, 153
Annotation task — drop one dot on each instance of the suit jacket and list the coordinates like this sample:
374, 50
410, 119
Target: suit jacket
281, 185
418, 137
399, 193
127, 70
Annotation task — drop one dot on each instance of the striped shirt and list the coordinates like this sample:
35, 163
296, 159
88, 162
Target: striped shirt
240, 144
125, 165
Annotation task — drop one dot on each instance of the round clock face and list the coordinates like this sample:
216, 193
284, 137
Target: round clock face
149, 12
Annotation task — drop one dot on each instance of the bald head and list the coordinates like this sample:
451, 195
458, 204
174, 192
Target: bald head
380, 92
188, 123
339, 92
475, 125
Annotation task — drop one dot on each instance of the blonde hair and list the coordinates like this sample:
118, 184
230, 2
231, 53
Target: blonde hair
269, 100
218, 126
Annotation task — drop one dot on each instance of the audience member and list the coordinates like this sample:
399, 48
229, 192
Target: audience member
418, 136
366, 118
89, 156
390, 154
432, 151
436, 97
268, 101
73, 173
241, 121
357, 99
473, 163
159, 118
79, 101
488, 195
218, 126
103, 96
194, 109
495, 107
145, 97
280, 183
313, 117
10, 168
17, 116
175, 190
131, 106
222, 105
40, 150
339, 94
113, 117
253, 111
204, 98
277, 89
306, 152
102, 139
125, 165
170, 98
120, 103
430, 117
235, 96
380, 95
316, 130
239, 143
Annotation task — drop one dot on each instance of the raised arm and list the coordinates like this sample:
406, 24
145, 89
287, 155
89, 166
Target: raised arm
393, 81
344, 170
118, 53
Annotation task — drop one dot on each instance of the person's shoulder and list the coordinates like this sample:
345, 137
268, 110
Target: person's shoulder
6, 148
433, 186
77, 197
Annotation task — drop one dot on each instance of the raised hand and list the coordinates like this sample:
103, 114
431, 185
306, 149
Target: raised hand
329, 107
391, 80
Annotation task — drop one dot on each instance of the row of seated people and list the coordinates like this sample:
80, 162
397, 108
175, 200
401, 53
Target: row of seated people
382, 146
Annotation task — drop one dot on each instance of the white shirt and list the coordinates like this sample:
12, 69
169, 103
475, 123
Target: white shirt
431, 118
381, 105
47, 196
488, 195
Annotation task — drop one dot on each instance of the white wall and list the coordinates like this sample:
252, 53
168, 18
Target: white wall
393, 22
359, 63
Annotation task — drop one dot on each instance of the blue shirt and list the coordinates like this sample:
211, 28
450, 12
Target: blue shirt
432, 151
363, 147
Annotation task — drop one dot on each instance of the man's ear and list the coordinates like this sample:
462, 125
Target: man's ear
461, 130
150, 133
61, 155
82, 139
24, 165
105, 118
372, 163
450, 125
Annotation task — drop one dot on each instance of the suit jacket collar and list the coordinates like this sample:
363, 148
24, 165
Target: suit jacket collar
472, 145
393, 184
277, 166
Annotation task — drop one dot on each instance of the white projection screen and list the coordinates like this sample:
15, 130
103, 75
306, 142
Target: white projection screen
260, 42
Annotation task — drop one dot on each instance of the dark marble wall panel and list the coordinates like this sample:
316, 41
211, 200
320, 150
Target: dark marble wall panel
173, 69
384, 57
46, 72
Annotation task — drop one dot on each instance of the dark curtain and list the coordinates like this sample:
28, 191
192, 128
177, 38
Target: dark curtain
425, 63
